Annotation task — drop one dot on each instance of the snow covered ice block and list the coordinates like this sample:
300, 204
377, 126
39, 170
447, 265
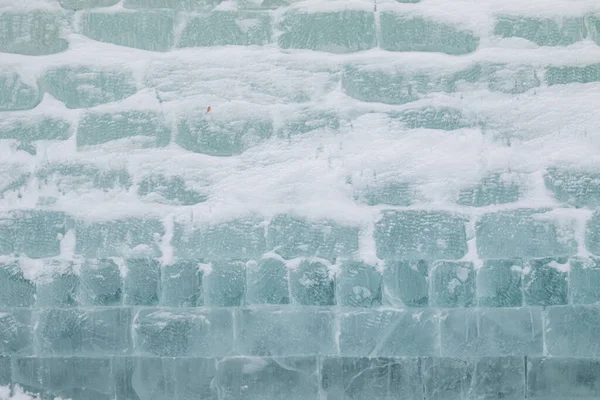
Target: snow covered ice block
592, 234
83, 4
311, 284
452, 284
291, 237
584, 280
406, 284
181, 284
15, 289
389, 333
224, 284
428, 235
118, 238
494, 188
267, 282
147, 127
222, 28
70, 178
222, 135
561, 75
483, 378
182, 5
15, 94
84, 86
83, 332
65, 377
492, 332
526, 233
573, 187
242, 238
184, 378
141, 286
146, 30
29, 128
33, 33
168, 190
391, 193
443, 118
194, 332
358, 285
546, 281
541, 31
344, 31
500, 283
284, 331
59, 288
308, 120
401, 32
373, 378
100, 283
16, 328
563, 378
293, 378
34, 233
572, 331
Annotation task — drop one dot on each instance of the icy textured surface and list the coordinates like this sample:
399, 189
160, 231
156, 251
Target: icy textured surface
303, 199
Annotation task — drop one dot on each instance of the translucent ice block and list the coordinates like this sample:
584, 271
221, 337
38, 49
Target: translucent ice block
82, 87
335, 32
409, 33
147, 30
420, 235
32, 33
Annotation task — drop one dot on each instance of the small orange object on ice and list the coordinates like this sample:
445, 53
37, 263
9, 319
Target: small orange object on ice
208, 109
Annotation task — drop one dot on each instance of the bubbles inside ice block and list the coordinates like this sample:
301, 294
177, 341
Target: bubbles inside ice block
40, 127
560, 75
452, 284
569, 331
546, 281
584, 280
577, 188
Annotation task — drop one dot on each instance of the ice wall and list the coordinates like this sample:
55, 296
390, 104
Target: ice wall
319, 199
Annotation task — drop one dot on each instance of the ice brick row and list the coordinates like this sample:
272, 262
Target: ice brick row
151, 25
577, 188
84, 86
399, 235
560, 331
189, 283
142, 378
